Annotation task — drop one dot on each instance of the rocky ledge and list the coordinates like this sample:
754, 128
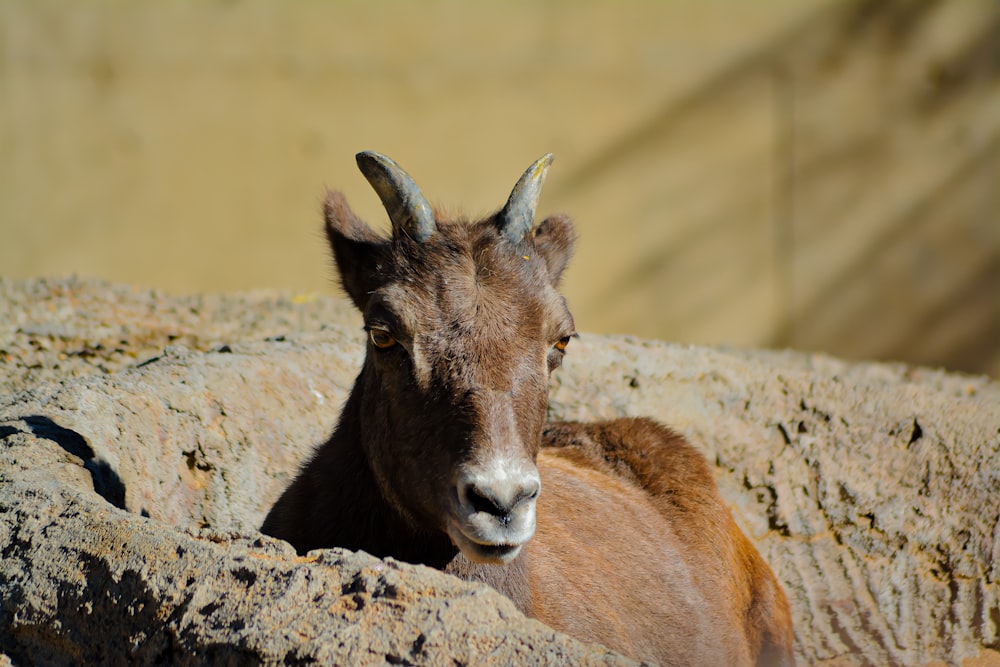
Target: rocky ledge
143, 438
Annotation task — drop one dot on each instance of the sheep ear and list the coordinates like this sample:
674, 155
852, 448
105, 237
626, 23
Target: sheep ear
356, 248
555, 238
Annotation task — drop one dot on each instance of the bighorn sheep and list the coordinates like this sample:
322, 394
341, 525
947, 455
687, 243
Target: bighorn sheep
612, 532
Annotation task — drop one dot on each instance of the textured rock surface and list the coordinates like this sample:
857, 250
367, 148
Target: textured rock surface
129, 504
84, 583
130, 492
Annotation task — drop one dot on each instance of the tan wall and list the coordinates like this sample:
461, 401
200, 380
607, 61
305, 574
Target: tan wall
777, 172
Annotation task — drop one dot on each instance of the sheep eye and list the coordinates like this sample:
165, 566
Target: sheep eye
562, 343
381, 338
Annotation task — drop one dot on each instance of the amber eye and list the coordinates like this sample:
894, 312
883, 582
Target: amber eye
381, 338
562, 343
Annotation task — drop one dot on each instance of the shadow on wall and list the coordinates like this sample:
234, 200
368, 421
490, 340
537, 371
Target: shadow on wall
835, 190
831, 185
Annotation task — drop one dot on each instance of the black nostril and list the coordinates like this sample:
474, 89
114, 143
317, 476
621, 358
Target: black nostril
497, 501
482, 502
528, 493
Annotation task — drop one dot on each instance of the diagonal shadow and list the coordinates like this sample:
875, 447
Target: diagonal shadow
107, 483
894, 21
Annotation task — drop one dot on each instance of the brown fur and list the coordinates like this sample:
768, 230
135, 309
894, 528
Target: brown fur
633, 546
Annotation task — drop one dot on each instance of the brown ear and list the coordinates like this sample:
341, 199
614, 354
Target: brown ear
356, 248
554, 241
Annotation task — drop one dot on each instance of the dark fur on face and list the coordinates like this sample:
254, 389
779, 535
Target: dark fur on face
476, 323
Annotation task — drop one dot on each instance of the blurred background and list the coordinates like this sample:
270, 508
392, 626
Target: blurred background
784, 173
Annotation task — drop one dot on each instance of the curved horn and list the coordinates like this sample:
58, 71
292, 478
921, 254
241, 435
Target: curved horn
518, 215
407, 208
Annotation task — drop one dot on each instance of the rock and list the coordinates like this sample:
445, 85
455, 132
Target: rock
130, 494
54, 329
108, 486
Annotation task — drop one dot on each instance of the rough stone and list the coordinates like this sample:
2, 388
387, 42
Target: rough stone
131, 489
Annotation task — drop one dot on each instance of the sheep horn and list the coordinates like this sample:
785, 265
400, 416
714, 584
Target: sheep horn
518, 215
408, 210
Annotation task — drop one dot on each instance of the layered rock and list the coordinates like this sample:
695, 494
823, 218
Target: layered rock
131, 487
